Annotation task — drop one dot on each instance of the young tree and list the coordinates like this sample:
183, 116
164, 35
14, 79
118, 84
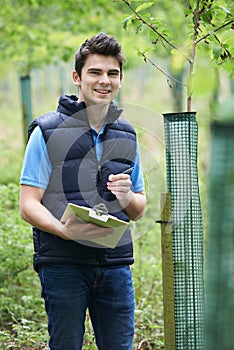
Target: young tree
186, 30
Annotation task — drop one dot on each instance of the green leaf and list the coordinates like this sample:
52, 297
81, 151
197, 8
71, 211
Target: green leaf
148, 49
144, 6
187, 11
225, 10
207, 17
126, 22
217, 52
139, 27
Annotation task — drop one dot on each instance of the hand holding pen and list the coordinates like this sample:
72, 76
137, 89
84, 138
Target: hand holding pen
120, 184
128, 171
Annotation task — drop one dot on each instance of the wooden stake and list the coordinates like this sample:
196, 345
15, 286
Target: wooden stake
167, 271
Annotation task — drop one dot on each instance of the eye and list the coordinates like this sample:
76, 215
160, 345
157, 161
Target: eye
94, 72
114, 73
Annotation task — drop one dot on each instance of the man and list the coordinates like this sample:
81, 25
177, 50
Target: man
79, 154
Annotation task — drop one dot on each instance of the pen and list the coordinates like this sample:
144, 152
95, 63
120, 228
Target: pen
128, 171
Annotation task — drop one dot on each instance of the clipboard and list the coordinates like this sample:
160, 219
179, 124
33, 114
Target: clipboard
100, 217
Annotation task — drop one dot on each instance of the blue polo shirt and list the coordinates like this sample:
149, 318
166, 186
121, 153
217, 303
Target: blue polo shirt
36, 168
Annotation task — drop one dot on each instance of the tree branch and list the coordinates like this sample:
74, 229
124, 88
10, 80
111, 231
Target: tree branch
140, 18
160, 70
196, 18
216, 30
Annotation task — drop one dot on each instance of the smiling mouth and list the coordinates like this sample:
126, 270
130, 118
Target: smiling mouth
103, 92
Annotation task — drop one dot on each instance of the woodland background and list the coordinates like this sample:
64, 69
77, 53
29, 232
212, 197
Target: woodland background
39, 38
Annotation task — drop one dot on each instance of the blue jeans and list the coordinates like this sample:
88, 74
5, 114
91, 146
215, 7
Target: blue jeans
107, 292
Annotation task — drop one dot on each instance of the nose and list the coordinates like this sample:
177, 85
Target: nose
104, 79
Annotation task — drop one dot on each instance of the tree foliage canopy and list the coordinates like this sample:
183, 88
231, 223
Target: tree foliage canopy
174, 29
35, 32
185, 31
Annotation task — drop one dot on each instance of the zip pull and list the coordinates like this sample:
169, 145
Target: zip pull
99, 172
99, 180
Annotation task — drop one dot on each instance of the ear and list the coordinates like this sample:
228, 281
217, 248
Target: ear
121, 78
75, 78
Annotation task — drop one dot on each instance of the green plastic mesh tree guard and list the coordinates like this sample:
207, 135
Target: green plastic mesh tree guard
181, 134
220, 244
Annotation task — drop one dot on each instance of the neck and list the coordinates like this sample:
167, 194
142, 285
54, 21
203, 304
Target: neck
97, 115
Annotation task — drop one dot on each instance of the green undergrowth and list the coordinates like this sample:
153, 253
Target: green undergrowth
23, 323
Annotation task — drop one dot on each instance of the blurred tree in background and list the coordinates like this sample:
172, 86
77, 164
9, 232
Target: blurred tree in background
37, 32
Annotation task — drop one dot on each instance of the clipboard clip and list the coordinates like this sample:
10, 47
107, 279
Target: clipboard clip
100, 209
99, 212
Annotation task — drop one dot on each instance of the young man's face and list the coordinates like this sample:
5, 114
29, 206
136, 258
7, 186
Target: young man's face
100, 80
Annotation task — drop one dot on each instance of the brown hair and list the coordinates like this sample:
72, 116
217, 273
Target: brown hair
102, 44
